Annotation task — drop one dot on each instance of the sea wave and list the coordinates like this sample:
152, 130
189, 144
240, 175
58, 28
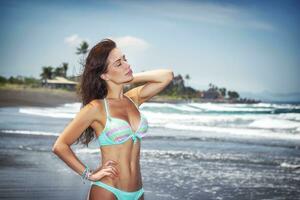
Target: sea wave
28, 132
197, 156
69, 110
272, 123
58, 112
290, 166
232, 132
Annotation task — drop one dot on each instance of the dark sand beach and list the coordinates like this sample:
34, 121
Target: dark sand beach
29, 170
35, 97
27, 174
47, 97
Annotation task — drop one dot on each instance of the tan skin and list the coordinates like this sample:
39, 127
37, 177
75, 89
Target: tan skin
120, 163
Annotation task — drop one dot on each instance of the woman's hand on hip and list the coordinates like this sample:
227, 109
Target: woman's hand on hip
108, 169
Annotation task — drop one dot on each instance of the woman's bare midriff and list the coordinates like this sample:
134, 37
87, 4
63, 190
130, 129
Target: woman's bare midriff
127, 155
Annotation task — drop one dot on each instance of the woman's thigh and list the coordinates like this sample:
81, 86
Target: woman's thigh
97, 193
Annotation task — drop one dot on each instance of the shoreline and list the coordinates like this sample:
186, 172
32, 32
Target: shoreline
25, 96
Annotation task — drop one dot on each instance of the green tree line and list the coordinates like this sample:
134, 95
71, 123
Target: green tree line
178, 88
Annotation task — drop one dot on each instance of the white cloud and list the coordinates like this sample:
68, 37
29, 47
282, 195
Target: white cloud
74, 40
203, 12
134, 48
130, 43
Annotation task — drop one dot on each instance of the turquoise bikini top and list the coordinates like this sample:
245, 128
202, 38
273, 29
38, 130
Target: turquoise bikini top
118, 131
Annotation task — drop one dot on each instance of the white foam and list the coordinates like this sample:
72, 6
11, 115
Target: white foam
281, 106
86, 150
57, 112
272, 123
30, 132
262, 121
290, 166
180, 106
229, 107
73, 105
289, 116
223, 106
225, 132
199, 107
162, 118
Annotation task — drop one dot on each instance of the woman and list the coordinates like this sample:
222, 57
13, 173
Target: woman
114, 119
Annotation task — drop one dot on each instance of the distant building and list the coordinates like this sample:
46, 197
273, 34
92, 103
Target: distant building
59, 82
75, 78
212, 94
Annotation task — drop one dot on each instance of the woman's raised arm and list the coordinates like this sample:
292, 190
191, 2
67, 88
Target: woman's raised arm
156, 81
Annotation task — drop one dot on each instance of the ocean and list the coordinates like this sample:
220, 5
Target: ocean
193, 151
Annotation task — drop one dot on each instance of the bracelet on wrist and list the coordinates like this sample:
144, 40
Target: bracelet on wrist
86, 174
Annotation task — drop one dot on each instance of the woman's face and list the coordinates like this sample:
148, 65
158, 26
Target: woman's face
118, 70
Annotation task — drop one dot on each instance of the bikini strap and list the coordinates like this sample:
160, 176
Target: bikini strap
106, 108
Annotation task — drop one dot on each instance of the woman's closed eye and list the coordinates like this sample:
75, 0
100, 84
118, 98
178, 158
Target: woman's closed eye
119, 63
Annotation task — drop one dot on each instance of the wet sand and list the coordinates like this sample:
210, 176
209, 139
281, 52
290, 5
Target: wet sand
29, 171
35, 97
29, 174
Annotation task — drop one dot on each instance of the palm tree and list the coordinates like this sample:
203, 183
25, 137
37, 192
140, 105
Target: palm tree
187, 78
65, 67
59, 71
82, 50
212, 86
223, 91
47, 72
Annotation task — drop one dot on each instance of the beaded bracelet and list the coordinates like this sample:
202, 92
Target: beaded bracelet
86, 174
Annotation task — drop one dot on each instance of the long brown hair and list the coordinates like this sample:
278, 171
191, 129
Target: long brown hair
91, 85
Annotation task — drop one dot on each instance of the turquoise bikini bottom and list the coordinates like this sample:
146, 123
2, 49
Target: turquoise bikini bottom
120, 194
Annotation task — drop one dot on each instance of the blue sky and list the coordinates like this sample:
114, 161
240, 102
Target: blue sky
248, 46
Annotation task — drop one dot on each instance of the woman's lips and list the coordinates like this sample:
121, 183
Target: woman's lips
129, 73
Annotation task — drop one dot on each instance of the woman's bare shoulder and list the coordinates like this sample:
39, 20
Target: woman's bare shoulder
96, 104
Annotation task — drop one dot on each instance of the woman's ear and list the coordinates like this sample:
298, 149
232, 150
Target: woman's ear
104, 77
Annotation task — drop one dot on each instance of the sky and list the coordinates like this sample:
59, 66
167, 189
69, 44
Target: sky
246, 46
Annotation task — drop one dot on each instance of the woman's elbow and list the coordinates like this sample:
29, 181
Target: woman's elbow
170, 75
57, 147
